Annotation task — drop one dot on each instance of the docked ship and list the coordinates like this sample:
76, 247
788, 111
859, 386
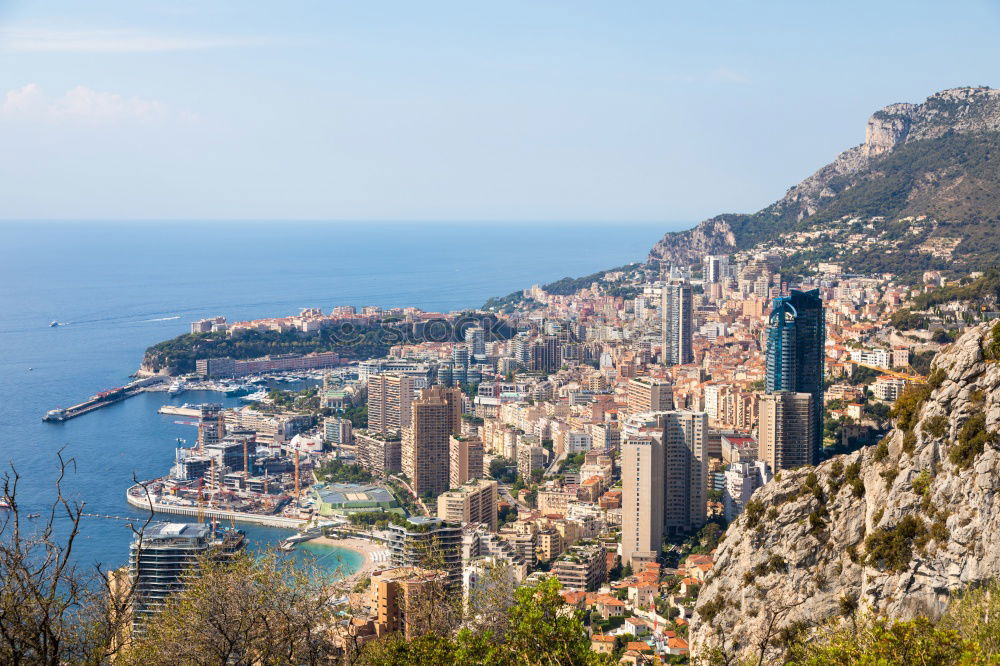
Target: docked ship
177, 387
55, 415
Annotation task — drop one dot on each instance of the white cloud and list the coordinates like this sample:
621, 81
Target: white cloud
30, 40
81, 104
726, 75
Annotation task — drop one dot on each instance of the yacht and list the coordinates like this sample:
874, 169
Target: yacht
255, 397
177, 387
53, 323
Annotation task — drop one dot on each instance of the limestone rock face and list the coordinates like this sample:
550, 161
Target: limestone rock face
809, 554
959, 110
887, 129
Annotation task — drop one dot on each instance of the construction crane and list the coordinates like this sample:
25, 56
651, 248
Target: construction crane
201, 500
919, 379
297, 497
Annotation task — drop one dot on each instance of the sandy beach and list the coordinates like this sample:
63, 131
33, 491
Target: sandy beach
366, 548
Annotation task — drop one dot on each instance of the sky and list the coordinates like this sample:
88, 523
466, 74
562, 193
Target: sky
539, 110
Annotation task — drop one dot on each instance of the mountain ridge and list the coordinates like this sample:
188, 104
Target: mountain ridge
950, 150
894, 528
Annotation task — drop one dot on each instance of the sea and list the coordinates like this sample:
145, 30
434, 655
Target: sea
118, 287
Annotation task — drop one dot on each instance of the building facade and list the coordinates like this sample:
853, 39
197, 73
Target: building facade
642, 499
436, 416
677, 322
786, 430
796, 339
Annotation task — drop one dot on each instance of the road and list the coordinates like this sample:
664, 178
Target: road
420, 502
522, 509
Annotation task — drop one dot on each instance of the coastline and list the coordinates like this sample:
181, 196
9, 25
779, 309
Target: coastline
360, 546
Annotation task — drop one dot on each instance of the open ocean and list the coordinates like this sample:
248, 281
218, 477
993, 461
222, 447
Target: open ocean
120, 287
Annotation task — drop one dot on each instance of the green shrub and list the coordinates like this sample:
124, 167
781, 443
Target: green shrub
935, 426
882, 450
753, 511
890, 476
710, 609
906, 409
922, 483
972, 440
992, 351
891, 548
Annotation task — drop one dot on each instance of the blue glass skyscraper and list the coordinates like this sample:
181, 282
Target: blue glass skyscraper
796, 339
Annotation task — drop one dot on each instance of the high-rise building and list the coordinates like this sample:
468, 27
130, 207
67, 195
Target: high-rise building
475, 340
338, 431
211, 424
786, 431
716, 268
648, 394
380, 454
460, 356
465, 459
390, 397
545, 354
685, 469
677, 323
427, 542
473, 502
529, 458
642, 499
436, 416
397, 594
161, 562
796, 339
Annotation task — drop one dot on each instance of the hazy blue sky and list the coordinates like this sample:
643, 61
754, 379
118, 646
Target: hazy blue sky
465, 110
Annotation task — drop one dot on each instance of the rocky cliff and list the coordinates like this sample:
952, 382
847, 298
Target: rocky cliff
894, 527
932, 190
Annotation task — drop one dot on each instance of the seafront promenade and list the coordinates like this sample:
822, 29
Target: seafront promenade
139, 501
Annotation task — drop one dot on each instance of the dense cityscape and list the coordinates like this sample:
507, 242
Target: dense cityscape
387, 334
605, 438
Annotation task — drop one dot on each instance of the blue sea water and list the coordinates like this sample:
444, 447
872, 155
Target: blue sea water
120, 287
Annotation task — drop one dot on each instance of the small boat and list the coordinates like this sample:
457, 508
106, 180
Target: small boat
34, 515
4, 504
53, 323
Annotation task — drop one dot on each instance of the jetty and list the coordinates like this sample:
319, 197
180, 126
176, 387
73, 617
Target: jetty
101, 399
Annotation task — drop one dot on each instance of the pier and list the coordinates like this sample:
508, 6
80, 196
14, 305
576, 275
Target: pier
102, 399
141, 502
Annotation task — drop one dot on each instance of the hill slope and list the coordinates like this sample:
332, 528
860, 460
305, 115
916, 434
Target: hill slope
940, 158
894, 527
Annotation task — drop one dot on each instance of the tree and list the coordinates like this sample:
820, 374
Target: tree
880, 641
244, 610
538, 631
52, 612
